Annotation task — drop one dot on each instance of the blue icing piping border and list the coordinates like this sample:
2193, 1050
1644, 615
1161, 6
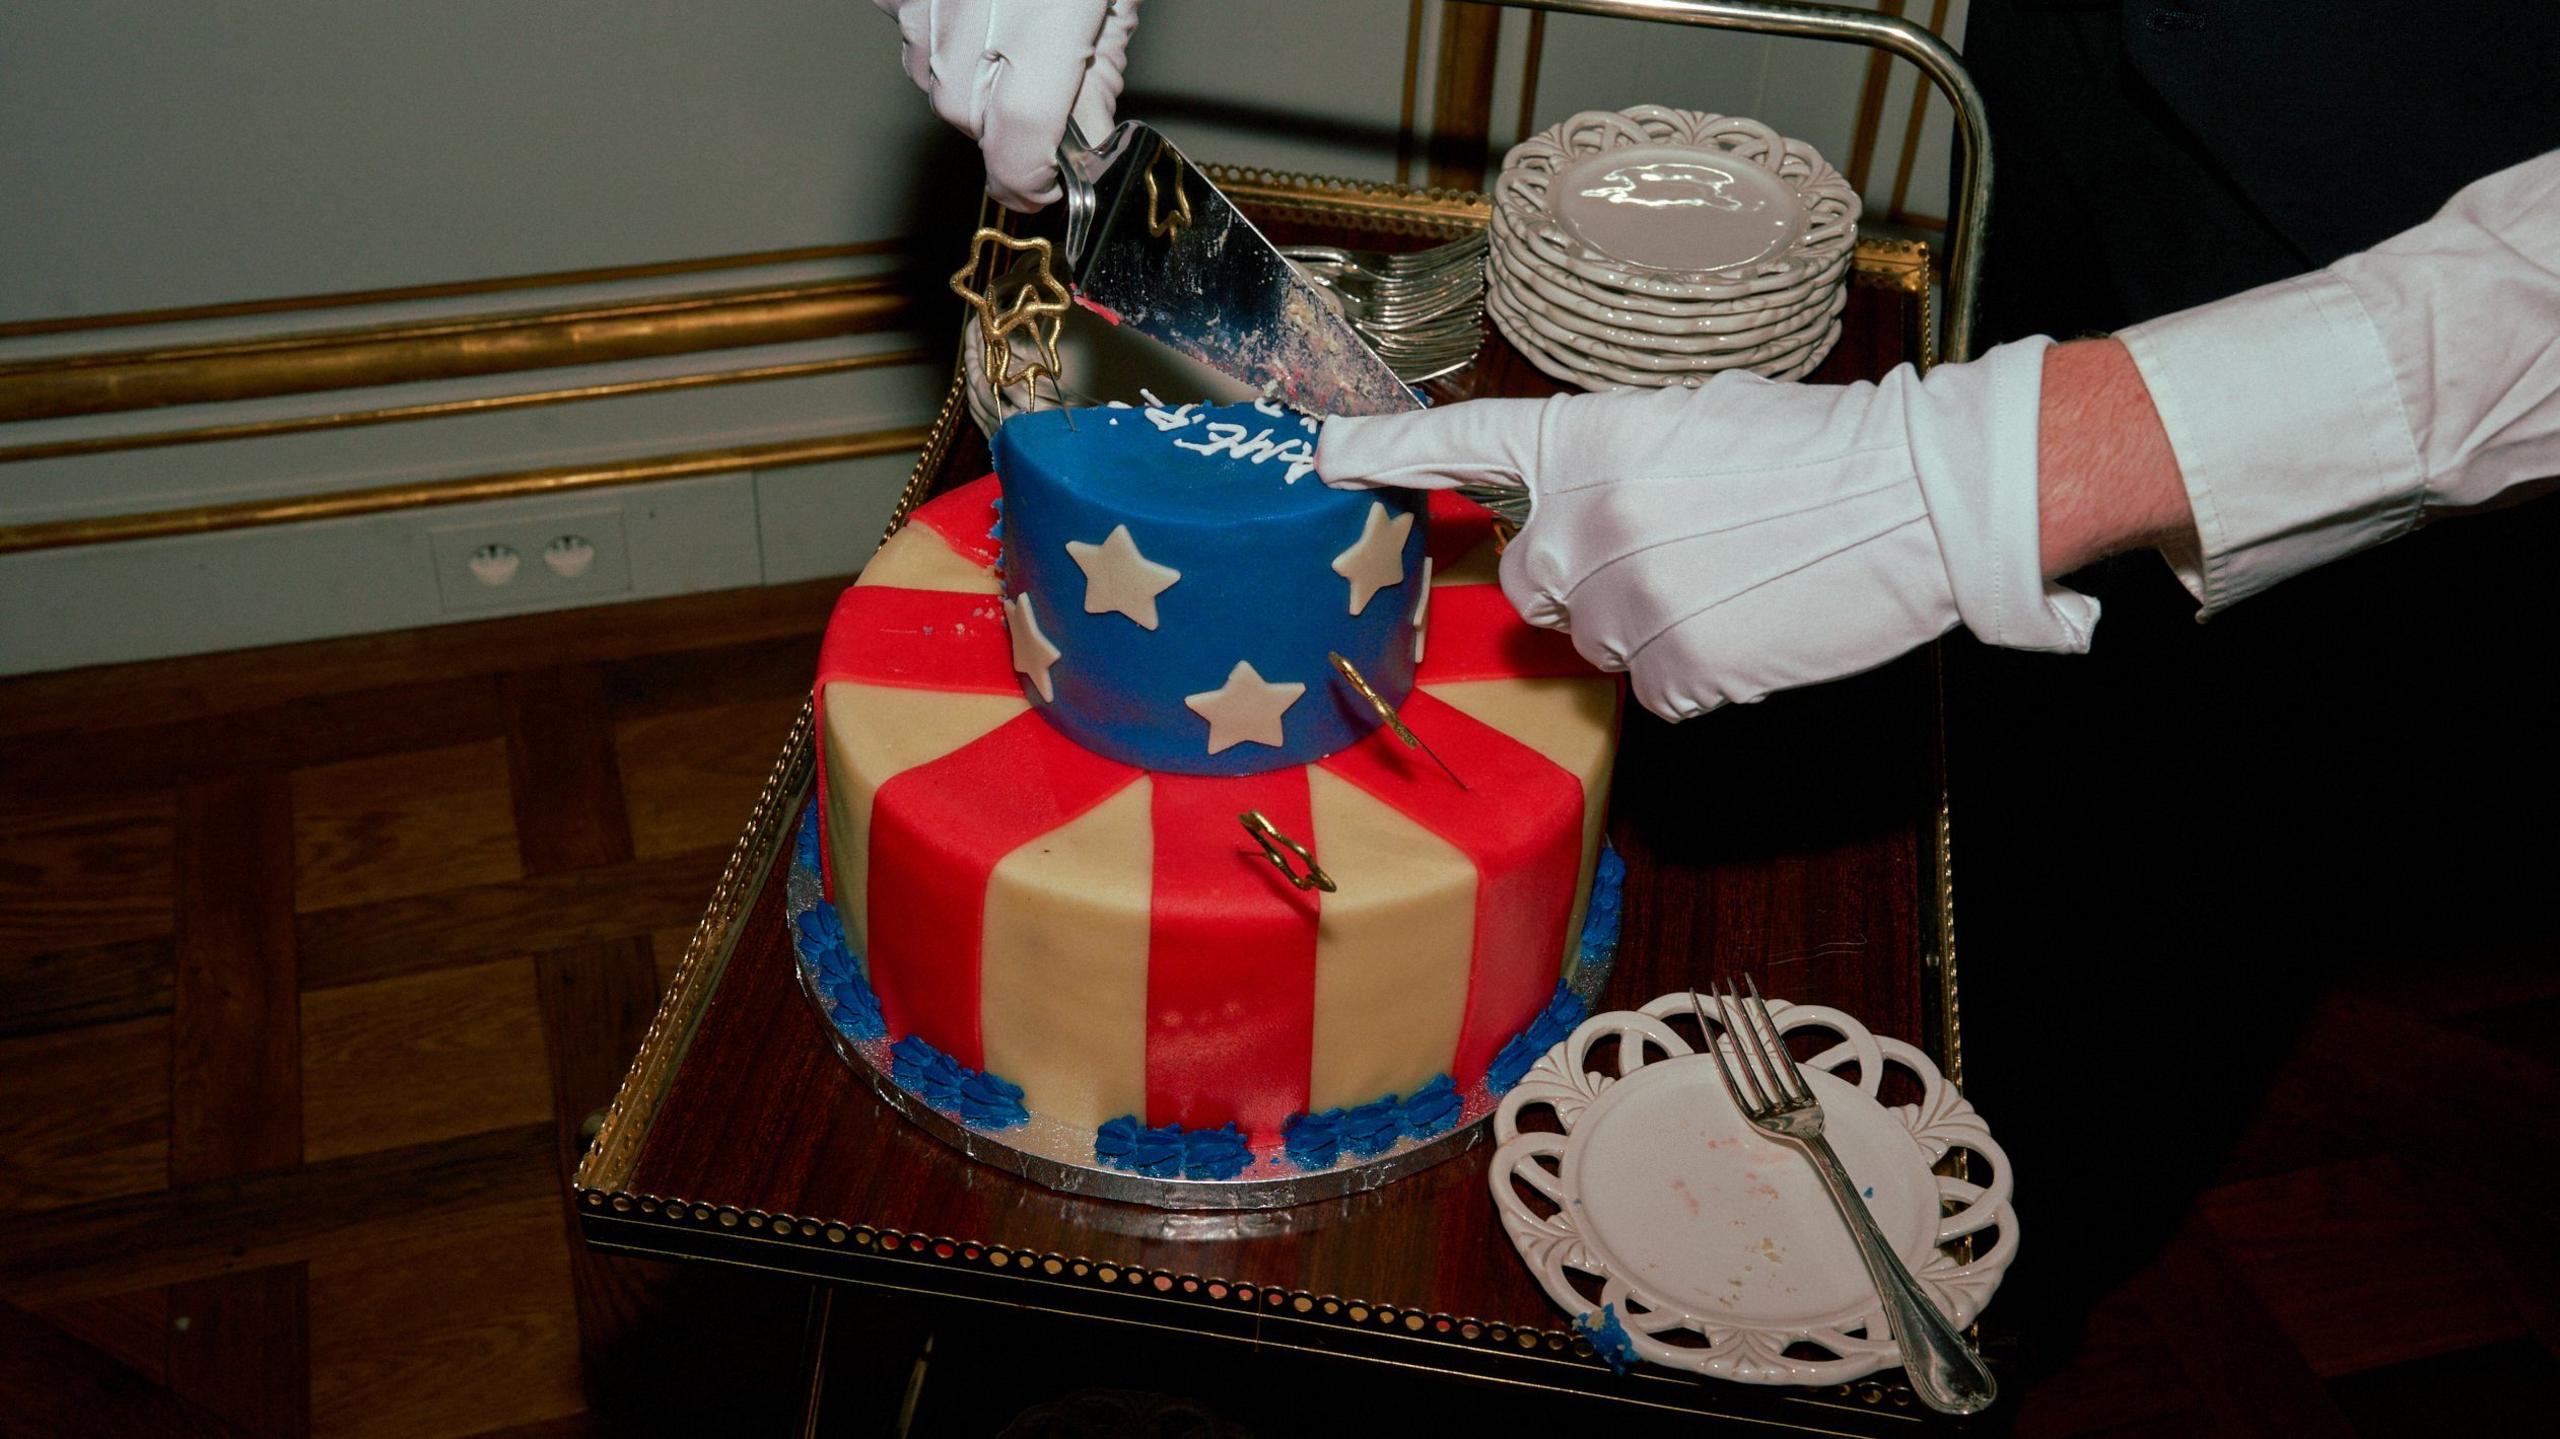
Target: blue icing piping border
820, 937
979, 1099
1168, 1151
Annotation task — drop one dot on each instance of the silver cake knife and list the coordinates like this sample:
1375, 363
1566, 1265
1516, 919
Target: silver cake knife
1152, 245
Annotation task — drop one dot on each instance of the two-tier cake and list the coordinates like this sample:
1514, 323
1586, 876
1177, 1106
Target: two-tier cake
1045, 708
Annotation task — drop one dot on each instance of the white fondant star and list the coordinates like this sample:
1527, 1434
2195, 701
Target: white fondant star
1422, 610
1376, 560
1246, 709
1032, 652
1118, 579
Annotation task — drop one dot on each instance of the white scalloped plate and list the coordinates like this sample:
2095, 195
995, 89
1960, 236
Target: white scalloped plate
1680, 209
1792, 213
1716, 1246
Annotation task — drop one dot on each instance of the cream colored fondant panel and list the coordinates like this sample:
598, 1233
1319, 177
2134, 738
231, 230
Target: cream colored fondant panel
872, 733
1063, 971
916, 558
1571, 721
1393, 948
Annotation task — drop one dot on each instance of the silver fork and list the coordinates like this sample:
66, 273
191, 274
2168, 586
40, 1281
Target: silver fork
1392, 291
1771, 1093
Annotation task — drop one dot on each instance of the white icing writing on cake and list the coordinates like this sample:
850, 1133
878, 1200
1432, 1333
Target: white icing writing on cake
1228, 438
1244, 442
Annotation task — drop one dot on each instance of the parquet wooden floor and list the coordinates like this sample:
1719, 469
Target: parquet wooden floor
313, 962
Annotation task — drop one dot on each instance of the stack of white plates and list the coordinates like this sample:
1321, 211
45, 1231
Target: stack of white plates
1654, 246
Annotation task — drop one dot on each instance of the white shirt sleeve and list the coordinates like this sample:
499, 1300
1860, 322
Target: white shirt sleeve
2327, 413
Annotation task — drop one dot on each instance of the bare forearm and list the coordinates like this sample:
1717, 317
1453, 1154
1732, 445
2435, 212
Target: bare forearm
2107, 479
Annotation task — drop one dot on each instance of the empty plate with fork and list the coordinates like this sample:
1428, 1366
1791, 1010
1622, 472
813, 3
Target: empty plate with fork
1649, 1206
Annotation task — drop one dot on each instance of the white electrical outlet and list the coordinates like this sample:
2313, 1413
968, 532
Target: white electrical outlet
488, 565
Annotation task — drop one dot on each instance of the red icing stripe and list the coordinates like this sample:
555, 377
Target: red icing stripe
937, 832
1521, 825
1476, 635
859, 651
1231, 957
920, 640
963, 517
1458, 524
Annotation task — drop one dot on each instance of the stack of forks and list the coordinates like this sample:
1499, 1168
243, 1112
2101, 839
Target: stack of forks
1422, 310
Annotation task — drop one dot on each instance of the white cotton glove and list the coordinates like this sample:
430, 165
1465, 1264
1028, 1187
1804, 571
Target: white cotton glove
1745, 536
1007, 73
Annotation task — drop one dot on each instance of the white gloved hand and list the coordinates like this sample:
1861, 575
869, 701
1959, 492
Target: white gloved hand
1007, 73
1745, 536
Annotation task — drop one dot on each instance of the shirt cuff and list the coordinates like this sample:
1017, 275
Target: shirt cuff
2289, 432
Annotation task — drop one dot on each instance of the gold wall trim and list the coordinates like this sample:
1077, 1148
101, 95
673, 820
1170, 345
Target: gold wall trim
485, 404
98, 383
343, 299
344, 504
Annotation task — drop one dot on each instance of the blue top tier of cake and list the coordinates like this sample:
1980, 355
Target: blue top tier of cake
1175, 579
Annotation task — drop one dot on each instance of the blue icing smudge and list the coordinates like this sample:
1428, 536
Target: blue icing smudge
1219, 1153
1433, 1109
1608, 1337
1312, 1141
822, 942
1371, 1129
804, 852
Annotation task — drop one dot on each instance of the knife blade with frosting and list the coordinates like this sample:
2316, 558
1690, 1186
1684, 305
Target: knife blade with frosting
1153, 246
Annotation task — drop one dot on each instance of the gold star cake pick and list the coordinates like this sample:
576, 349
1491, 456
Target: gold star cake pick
1036, 304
